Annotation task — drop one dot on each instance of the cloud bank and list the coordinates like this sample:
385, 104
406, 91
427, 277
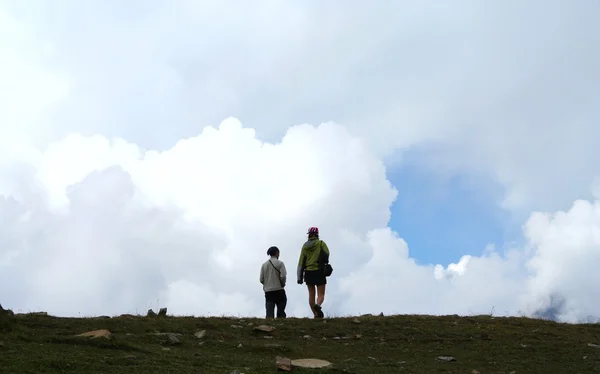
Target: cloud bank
116, 196
92, 226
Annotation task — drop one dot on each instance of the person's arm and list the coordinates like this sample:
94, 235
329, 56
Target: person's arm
325, 252
262, 274
300, 264
283, 274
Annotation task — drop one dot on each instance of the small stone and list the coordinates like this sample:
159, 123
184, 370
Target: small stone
237, 326
162, 312
166, 349
307, 336
236, 371
446, 358
324, 338
372, 358
200, 334
264, 328
97, 334
172, 340
282, 363
356, 321
200, 343
240, 345
250, 324
358, 336
167, 333
311, 363
593, 345
475, 372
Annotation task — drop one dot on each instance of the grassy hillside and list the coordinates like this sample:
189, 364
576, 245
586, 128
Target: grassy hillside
369, 344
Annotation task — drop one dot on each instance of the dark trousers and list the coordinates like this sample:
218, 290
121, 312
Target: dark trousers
275, 298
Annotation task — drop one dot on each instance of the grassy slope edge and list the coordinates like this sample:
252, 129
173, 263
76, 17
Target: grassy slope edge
405, 343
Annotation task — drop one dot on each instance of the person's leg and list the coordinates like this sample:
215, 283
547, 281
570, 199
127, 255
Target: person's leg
269, 305
281, 303
321, 282
321, 294
311, 298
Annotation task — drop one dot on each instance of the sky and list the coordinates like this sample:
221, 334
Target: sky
151, 152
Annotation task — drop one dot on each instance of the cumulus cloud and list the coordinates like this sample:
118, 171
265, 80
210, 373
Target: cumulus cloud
511, 82
112, 227
98, 226
118, 195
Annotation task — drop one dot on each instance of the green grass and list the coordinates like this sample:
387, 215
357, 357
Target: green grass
395, 344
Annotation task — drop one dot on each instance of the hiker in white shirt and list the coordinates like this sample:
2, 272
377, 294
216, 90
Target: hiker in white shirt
273, 276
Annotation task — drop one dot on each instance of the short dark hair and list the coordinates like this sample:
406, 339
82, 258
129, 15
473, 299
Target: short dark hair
272, 251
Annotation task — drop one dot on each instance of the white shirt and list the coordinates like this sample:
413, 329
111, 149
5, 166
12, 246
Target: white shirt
271, 279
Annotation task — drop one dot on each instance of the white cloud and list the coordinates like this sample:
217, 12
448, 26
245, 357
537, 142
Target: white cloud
95, 223
108, 228
115, 228
510, 82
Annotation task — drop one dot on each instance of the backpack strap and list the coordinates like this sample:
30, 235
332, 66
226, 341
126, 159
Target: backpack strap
278, 272
321, 259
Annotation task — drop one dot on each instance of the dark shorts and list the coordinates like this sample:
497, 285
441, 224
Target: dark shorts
315, 277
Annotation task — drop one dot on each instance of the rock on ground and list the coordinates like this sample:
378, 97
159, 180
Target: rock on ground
283, 363
6, 311
167, 333
97, 334
264, 328
200, 334
311, 363
286, 364
446, 358
172, 340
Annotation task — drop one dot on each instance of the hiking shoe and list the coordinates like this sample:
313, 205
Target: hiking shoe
319, 311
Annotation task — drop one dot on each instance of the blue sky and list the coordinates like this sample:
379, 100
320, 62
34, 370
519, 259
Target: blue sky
444, 218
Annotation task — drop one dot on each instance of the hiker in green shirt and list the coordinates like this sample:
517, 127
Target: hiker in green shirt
313, 269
